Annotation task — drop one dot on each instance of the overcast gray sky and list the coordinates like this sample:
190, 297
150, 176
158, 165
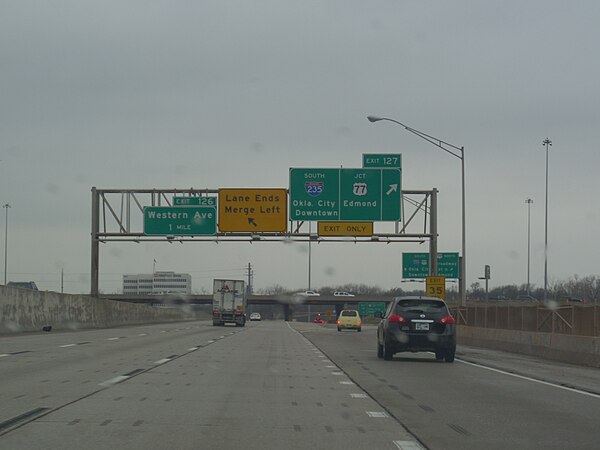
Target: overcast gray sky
210, 94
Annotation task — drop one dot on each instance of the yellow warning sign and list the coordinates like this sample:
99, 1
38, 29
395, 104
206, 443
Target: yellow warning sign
345, 228
252, 210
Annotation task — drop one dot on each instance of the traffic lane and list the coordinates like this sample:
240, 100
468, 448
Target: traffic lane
43, 349
564, 374
266, 388
52, 378
454, 406
18, 342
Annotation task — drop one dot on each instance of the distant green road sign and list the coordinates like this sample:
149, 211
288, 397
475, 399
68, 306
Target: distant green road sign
180, 220
194, 201
371, 308
416, 265
382, 160
345, 194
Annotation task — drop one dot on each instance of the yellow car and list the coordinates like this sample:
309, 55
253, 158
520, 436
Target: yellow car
349, 319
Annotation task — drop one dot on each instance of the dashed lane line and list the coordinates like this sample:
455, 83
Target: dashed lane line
408, 445
377, 414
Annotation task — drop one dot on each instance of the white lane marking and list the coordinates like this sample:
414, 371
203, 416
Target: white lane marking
330, 367
5, 354
346, 382
337, 373
377, 414
112, 339
142, 334
162, 361
211, 341
221, 337
67, 345
590, 394
114, 380
192, 349
408, 445
358, 395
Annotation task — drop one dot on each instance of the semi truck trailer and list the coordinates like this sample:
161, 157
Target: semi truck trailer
229, 302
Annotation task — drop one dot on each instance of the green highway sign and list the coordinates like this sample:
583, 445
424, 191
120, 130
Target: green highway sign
180, 220
345, 194
370, 308
416, 265
385, 160
194, 201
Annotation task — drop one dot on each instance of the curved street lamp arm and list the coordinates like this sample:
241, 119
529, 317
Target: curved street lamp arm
433, 140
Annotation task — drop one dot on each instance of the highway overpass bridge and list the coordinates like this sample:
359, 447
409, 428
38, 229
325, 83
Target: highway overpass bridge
287, 301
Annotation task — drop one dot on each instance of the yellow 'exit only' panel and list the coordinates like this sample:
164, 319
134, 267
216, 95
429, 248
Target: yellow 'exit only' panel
345, 228
252, 210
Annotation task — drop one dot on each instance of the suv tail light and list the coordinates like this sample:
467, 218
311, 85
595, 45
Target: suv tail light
215, 312
448, 320
396, 318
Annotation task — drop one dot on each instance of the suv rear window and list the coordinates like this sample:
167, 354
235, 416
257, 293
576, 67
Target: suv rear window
349, 313
417, 305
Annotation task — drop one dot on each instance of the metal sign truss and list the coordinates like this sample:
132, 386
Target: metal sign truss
117, 216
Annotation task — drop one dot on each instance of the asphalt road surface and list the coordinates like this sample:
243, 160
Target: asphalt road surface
484, 400
273, 385
185, 386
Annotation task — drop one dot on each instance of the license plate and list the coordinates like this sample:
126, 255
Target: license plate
422, 326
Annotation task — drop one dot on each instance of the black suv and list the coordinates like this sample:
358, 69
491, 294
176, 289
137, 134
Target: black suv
417, 324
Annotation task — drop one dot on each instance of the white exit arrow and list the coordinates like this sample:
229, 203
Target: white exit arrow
393, 188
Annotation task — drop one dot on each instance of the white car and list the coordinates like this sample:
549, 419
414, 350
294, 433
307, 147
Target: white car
310, 293
255, 316
342, 294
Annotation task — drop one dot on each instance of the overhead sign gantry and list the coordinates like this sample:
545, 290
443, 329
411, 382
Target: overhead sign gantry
343, 202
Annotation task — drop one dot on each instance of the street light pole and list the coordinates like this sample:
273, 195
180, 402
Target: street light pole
6, 206
547, 143
309, 248
529, 202
454, 151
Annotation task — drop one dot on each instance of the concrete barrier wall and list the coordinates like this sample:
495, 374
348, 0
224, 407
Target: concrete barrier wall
583, 350
27, 310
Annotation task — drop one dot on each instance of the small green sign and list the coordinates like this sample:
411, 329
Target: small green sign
371, 308
180, 220
416, 265
385, 160
194, 201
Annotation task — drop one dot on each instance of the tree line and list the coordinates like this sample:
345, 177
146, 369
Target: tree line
586, 289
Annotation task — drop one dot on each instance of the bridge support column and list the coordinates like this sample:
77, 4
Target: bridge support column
338, 310
287, 313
